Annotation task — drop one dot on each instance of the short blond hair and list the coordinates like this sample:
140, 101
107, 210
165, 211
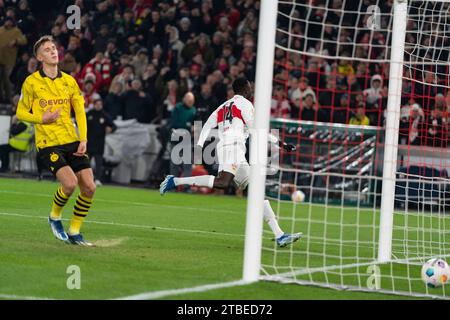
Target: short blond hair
40, 42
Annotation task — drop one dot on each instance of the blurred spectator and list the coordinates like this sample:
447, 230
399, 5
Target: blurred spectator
218, 86
99, 123
100, 42
233, 15
68, 64
280, 107
140, 62
248, 24
138, 104
360, 118
114, 101
436, 128
217, 43
10, 39
183, 115
200, 46
113, 54
174, 46
341, 111
89, 94
169, 99
185, 32
181, 121
24, 72
206, 103
21, 134
375, 93
185, 83
310, 110
298, 94
101, 68
345, 67
149, 78
125, 78
411, 118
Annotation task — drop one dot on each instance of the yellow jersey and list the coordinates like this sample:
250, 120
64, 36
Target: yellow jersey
40, 93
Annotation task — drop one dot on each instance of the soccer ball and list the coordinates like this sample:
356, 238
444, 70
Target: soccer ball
435, 272
298, 196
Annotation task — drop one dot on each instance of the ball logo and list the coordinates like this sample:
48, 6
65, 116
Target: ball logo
43, 103
54, 157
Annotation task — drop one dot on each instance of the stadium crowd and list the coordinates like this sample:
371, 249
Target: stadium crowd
171, 62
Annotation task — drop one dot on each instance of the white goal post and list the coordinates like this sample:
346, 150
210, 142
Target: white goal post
258, 144
392, 127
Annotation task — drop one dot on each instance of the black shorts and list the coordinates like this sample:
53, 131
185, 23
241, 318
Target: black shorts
56, 157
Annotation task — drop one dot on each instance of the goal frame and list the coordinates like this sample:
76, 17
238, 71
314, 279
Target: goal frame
258, 145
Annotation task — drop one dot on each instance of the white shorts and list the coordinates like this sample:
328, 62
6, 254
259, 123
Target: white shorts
232, 159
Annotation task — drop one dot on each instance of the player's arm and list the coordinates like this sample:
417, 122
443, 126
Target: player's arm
248, 114
209, 124
24, 111
77, 102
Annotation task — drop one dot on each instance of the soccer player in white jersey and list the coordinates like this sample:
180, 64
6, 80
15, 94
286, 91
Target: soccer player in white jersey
233, 119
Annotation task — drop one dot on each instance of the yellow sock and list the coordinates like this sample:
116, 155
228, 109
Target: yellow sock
80, 211
59, 201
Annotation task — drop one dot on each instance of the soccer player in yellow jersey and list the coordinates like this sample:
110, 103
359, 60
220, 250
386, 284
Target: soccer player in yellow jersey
47, 98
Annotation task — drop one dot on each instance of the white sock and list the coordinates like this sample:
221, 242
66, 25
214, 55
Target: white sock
199, 181
269, 216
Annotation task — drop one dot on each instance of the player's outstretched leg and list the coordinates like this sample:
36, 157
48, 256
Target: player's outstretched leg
170, 182
167, 184
288, 238
283, 239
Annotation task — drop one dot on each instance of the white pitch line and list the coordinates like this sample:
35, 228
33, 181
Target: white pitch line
132, 225
142, 204
165, 293
16, 297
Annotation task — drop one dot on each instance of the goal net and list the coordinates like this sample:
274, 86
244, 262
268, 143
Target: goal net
371, 137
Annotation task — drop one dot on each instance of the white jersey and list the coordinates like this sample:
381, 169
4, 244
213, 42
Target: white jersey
233, 118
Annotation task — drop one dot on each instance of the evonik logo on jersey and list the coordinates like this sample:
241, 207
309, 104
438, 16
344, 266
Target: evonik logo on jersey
52, 102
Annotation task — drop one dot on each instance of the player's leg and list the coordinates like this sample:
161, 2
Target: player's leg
82, 167
282, 238
227, 157
53, 159
222, 181
241, 180
82, 205
68, 182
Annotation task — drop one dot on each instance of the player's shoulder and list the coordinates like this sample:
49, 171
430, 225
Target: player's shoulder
67, 77
243, 102
35, 76
70, 81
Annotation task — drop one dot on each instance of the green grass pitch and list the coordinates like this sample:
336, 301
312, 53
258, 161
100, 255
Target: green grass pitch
145, 243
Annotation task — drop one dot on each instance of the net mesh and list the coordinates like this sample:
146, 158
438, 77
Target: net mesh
331, 79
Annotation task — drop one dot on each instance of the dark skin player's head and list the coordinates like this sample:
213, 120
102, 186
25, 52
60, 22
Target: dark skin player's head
242, 86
